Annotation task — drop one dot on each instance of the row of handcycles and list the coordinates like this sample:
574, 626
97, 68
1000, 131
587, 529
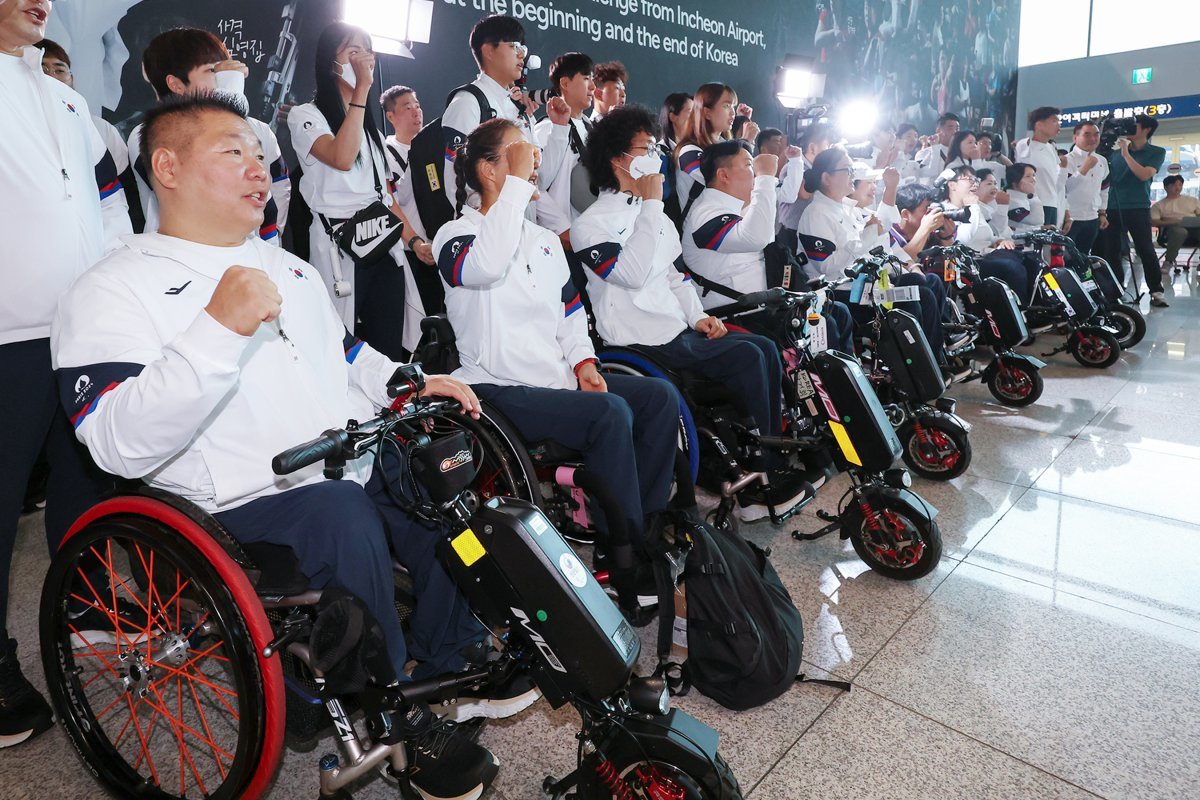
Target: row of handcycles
210, 667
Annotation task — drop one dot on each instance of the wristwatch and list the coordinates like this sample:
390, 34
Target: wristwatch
415, 238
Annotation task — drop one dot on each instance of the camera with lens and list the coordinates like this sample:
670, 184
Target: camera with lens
952, 213
1112, 129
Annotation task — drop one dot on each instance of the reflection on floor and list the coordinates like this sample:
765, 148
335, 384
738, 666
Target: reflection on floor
1054, 653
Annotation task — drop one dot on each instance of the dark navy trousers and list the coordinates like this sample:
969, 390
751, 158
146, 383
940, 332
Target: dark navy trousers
30, 417
746, 363
627, 436
341, 535
1010, 266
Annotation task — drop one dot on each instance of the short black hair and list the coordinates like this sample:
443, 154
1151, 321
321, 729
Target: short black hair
1083, 125
716, 156
820, 132
52, 49
612, 136
164, 120
568, 65
1167, 181
1042, 113
1148, 122
903, 128
739, 121
1015, 173
984, 174
979, 137
764, 136
493, 30
948, 117
391, 95
177, 52
911, 195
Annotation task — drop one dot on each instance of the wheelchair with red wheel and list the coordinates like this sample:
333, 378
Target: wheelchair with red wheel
185, 686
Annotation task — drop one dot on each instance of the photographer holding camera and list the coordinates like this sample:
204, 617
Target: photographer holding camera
1132, 167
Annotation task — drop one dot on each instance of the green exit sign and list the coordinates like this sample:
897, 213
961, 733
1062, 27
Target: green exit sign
1142, 75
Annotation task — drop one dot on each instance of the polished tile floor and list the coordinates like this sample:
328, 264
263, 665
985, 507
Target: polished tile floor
1055, 653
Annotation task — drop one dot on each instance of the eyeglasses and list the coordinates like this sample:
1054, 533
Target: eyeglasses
968, 178
521, 50
847, 170
57, 72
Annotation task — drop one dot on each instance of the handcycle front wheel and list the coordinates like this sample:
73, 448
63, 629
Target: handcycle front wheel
151, 642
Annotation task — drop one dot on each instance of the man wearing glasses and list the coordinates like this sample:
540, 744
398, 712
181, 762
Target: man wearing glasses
498, 43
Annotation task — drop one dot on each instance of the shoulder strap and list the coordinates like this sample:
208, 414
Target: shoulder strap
574, 138
399, 158
696, 190
486, 111
708, 286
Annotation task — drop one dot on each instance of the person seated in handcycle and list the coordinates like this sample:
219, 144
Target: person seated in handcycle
522, 334
731, 223
640, 297
192, 356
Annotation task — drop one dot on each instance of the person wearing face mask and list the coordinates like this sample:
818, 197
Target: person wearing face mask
189, 60
833, 237
639, 297
507, 281
345, 170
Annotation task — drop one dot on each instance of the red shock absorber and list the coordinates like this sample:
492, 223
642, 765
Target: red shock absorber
869, 515
612, 781
1056, 256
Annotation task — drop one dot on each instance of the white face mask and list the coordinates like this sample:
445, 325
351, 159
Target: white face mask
347, 73
643, 165
231, 84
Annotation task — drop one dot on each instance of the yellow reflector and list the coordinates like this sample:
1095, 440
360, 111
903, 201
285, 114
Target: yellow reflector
1051, 281
468, 547
843, 440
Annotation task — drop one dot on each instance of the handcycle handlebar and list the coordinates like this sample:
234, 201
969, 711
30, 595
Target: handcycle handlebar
329, 444
768, 298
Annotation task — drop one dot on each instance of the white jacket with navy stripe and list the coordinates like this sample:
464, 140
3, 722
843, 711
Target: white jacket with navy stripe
723, 240
516, 315
628, 247
159, 390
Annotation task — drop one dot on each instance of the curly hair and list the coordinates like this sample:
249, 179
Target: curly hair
611, 137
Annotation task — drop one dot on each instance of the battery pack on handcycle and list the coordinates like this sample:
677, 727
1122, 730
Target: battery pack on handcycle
1068, 287
865, 437
513, 565
993, 302
909, 358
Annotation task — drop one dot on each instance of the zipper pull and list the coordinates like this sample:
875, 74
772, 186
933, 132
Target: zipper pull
289, 343
66, 183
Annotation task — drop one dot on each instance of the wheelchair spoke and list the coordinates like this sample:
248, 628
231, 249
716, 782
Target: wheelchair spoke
145, 747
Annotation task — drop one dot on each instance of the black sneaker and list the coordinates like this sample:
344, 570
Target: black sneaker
95, 626
491, 701
24, 713
445, 764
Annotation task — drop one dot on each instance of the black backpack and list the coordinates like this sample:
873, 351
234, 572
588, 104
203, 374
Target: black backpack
745, 636
426, 160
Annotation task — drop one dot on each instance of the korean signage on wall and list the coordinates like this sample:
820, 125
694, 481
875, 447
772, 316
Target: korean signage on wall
1165, 108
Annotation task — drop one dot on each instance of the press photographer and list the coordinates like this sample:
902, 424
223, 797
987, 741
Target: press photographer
1133, 166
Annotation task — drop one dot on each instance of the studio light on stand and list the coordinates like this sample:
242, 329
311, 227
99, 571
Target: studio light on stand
394, 25
798, 88
856, 119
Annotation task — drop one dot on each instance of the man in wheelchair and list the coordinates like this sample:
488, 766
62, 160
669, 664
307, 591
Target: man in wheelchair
640, 298
193, 355
523, 340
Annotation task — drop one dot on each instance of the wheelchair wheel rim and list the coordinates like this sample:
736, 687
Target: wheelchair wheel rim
162, 701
